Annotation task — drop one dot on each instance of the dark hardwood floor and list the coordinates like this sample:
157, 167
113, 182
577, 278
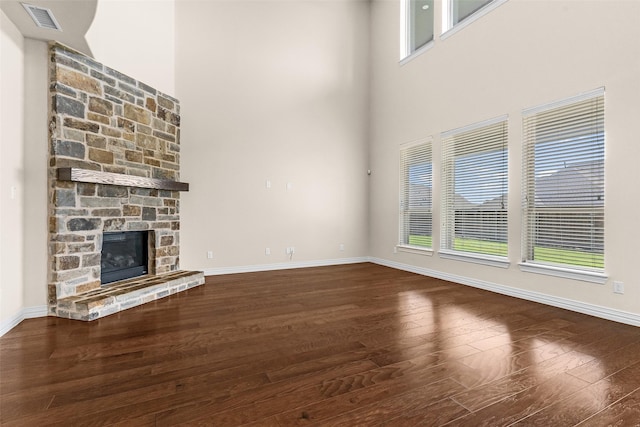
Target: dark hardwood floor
345, 345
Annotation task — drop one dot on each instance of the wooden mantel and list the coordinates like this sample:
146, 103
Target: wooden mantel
110, 178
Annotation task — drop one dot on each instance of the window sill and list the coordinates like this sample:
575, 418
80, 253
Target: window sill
416, 53
490, 260
566, 273
419, 250
474, 17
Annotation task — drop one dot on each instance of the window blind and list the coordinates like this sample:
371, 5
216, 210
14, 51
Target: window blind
563, 183
416, 177
474, 188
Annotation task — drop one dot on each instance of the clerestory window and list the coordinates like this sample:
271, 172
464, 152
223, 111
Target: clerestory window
416, 26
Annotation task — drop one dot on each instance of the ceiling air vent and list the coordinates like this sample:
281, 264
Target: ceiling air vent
43, 17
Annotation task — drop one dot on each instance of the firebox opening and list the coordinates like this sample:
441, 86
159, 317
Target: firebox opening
124, 255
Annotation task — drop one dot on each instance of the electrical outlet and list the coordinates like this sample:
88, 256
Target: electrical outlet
267, 251
210, 254
342, 246
618, 287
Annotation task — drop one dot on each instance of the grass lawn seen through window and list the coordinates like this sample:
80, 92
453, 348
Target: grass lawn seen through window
570, 257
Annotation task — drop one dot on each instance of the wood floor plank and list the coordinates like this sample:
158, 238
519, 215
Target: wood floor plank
520, 405
357, 344
489, 390
596, 370
623, 413
369, 388
587, 401
263, 402
426, 402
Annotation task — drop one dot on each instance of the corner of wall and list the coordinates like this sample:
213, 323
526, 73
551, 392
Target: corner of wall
11, 169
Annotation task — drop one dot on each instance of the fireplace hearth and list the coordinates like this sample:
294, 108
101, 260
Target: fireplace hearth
124, 255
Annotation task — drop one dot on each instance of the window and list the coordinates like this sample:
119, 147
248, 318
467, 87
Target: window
563, 184
458, 13
474, 189
415, 195
462, 9
417, 25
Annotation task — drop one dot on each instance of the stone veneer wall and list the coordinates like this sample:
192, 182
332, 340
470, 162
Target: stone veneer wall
103, 120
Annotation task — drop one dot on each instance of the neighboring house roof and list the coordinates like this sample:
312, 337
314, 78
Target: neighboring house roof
420, 196
460, 202
495, 204
577, 184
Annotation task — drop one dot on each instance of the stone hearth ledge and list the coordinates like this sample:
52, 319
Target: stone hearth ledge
113, 298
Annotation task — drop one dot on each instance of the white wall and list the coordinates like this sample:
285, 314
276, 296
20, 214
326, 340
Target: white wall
23, 176
272, 90
11, 169
136, 37
35, 164
520, 55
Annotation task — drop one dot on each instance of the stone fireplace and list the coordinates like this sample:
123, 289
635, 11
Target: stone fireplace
113, 167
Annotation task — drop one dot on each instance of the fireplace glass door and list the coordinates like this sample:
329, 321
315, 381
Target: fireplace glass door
124, 255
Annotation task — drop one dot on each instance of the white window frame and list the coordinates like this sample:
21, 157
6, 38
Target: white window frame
403, 244
406, 53
448, 29
447, 239
569, 271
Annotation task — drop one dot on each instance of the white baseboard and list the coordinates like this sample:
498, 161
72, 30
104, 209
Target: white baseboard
568, 304
281, 266
25, 313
